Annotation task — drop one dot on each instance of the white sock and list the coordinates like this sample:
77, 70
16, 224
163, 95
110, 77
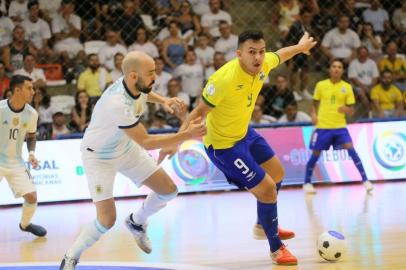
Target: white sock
152, 204
89, 235
28, 212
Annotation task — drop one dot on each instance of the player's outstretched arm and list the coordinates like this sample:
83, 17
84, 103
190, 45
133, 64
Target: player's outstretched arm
139, 134
305, 44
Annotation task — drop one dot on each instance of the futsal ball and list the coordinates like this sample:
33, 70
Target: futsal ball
332, 246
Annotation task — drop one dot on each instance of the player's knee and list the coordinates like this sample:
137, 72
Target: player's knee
107, 221
31, 198
266, 193
279, 175
173, 192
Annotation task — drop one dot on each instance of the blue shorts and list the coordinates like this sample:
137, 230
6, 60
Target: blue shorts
322, 139
241, 163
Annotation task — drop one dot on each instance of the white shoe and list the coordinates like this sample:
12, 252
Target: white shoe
139, 232
68, 263
297, 96
309, 188
307, 95
368, 186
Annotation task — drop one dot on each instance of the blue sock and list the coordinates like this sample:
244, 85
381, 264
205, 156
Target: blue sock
357, 161
268, 218
310, 167
278, 187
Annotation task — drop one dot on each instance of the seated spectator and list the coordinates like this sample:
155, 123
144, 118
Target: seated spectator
218, 61
204, 52
37, 32
258, 117
394, 63
49, 9
13, 55
59, 126
210, 21
6, 30
288, 13
228, 42
4, 80
143, 44
128, 22
326, 19
3, 6
81, 112
66, 27
42, 103
293, 115
175, 90
159, 120
200, 7
191, 74
188, 21
341, 42
399, 18
95, 79
112, 46
372, 41
363, 74
36, 74
161, 78
277, 97
348, 8
377, 16
18, 11
386, 97
173, 48
117, 72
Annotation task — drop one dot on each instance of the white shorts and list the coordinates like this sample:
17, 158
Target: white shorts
19, 179
136, 164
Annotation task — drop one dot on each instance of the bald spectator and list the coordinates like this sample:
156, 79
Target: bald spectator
396, 64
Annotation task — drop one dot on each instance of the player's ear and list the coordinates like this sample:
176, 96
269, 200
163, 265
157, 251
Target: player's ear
238, 52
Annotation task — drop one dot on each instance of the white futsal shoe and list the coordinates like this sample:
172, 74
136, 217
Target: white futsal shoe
308, 188
68, 263
139, 232
368, 186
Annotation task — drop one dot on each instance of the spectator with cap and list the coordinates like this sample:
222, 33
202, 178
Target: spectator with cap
293, 115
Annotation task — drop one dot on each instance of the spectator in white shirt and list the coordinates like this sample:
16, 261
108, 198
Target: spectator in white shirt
363, 73
143, 44
204, 52
117, 72
218, 61
293, 115
228, 42
3, 6
37, 31
191, 75
175, 90
258, 117
36, 74
6, 30
377, 16
341, 42
18, 10
372, 41
210, 20
399, 18
49, 9
200, 7
161, 78
112, 46
66, 28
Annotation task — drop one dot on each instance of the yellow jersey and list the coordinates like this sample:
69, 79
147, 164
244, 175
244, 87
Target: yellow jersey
232, 94
387, 99
397, 67
332, 96
90, 82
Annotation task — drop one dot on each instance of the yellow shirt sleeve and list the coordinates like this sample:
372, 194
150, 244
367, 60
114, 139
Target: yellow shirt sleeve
399, 97
81, 82
272, 59
317, 92
350, 97
374, 93
213, 92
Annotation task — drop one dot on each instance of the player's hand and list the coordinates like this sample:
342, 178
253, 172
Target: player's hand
307, 42
33, 160
346, 110
167, 152
196, 128
314, 118
174, 105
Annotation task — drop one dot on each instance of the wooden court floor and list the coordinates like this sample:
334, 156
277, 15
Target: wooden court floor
215, 230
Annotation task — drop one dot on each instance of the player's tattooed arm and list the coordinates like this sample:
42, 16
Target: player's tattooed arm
31, 141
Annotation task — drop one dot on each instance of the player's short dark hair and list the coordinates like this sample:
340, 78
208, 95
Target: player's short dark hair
292, 103
255, 35
17, 81
336, 60
32, 3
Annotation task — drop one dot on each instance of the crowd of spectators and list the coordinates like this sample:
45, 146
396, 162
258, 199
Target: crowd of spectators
83, 43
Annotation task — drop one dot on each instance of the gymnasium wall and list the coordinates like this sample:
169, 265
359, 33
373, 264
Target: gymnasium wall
381, 146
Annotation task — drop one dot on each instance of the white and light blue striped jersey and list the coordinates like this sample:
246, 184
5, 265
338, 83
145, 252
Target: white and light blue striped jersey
14, 125
116, 110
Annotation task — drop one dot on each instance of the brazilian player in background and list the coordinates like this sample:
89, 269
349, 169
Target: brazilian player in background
244, 157
333, 99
